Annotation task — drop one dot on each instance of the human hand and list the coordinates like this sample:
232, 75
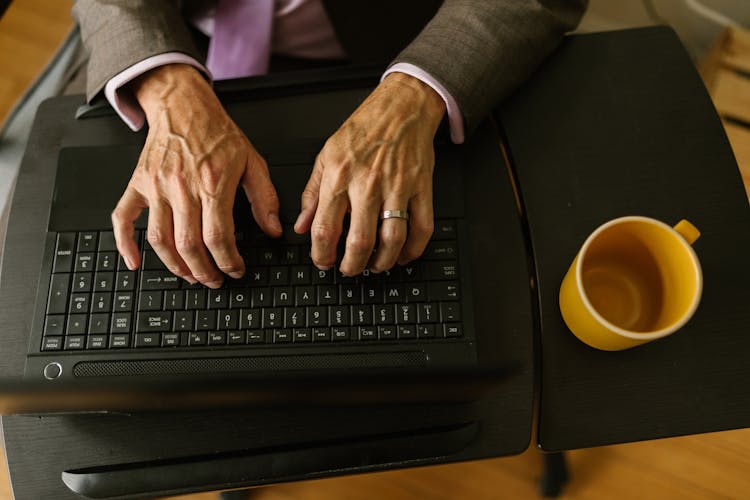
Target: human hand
382, 158
187, 175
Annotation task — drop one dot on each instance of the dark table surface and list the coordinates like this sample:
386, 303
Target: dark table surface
39, 449
620, 124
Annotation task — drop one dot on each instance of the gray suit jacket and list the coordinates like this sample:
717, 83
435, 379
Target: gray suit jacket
480, 50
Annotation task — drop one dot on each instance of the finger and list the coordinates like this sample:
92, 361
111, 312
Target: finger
218, 234
325, 230
392, 235
421, 226
309, 199
360, 240
160, 235
128, 209
189, 240
262, 195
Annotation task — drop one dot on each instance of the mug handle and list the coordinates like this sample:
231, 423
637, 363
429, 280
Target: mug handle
687, 231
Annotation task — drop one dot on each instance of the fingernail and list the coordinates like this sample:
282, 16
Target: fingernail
129, 263
237, 275
273, 219
214, 284
323, 268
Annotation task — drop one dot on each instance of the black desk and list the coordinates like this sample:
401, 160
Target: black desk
620, 124
276, 445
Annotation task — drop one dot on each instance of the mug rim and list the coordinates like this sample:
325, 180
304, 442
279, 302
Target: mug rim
629, 333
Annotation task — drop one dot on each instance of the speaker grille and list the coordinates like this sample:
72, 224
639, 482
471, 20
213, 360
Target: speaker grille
247, 364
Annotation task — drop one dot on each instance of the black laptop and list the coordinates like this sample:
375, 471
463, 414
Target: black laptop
99, 326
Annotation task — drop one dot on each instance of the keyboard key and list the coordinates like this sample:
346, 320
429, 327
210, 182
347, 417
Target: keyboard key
205, 320
442, 270
321, 334
273, 317
394, 294
372, 294
229, 319
283, 296
282, 335
79, 303
119, 341
256, 337
302, 335
63, 260
101, 302
294, 317
149, 322
184, 321
322, 277
159, 280
75, 342
82, 282
57, 301
368, 333
304, 296
261, 297
384, 315
123, 301
170, 340
427, 313
444, 230
278, 276
350, 294
300, 275
328, 295
96, 342
52, 343
317, 316
450, 311
76, 324
104, 282
290, 255
87, 241
340, 333
125, 281
235, 337
415, 292
443, 291
258, 277
107, 241
174, 300
438, 250
218, 299
453, 330
361, 315
196, 299
426, 331
339, 316
150, 301
250, 319
147, 339
387, 332
197, 338
267, 256
84, 262
152, 262
406, 314
121, 323
54, 324
99, 324
409, 272
217, 338
239, 299
407, 332
106, 261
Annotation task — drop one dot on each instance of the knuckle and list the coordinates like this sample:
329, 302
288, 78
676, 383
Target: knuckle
424, 227
231, 267
187, 245
360, 242
323, 232
217, 238
392, 235
156, 237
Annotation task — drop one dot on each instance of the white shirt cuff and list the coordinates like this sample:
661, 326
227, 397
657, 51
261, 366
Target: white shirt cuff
455, 119
122, 98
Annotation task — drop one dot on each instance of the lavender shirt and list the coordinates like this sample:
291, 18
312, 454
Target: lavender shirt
301, 28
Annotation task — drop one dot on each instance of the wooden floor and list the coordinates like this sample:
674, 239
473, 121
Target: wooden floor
713, 466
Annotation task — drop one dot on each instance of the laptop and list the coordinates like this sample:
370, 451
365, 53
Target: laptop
100, 328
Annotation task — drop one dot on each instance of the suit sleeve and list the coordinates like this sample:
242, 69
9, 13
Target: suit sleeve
481, 50
119, 33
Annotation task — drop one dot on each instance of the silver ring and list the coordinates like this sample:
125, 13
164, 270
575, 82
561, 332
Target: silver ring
395, 214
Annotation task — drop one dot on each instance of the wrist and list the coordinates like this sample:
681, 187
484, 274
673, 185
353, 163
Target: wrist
159, 87
432, 103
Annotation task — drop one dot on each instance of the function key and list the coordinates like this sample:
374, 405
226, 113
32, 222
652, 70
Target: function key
444, 230
235, 337
87, 241
255, 337
282, 335
107, 242
63, 262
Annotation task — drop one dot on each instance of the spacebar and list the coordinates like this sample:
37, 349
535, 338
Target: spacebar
238, 469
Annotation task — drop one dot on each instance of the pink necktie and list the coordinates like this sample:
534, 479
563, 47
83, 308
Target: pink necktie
241, 42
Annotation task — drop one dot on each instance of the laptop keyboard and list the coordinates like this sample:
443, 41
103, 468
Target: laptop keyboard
96, 303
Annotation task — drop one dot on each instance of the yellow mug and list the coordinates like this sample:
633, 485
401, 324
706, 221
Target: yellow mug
634, 280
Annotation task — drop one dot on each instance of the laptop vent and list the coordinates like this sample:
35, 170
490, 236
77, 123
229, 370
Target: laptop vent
247, 364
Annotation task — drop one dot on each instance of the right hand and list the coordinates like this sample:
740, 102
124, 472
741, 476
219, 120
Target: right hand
187, 175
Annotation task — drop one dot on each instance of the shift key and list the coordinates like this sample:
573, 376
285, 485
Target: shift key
159, 280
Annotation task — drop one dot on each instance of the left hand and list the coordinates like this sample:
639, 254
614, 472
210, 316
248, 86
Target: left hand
382, 158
